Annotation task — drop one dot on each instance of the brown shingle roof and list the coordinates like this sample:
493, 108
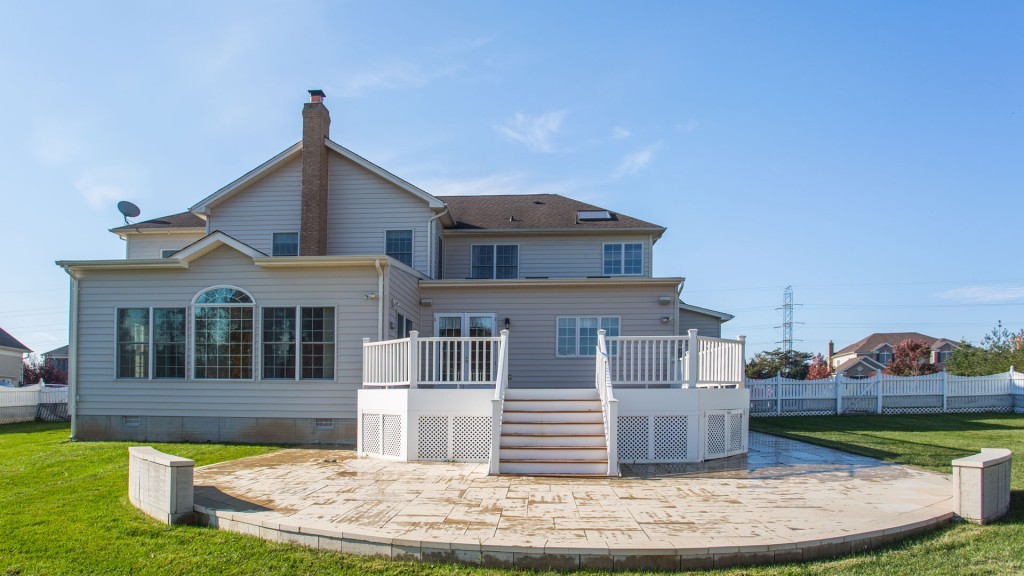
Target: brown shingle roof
866, 360
8, 341
180, 220
870, 342
533, 212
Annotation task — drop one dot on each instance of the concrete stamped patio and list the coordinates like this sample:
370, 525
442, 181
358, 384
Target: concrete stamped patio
785, 501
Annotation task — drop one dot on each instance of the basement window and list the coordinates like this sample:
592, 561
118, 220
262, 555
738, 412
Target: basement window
323, 423
131, 421
593, 215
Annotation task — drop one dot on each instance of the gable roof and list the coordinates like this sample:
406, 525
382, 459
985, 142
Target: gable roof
8, 341
181, 220
867, 361
873, 341
706, 311
61, 352
293, 151
535, 212
211, 242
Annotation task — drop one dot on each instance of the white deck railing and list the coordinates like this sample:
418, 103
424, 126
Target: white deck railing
689, 361
609, 405
431, 362
498, 402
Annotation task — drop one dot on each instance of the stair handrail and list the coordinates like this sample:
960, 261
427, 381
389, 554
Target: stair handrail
609, 405
498, 403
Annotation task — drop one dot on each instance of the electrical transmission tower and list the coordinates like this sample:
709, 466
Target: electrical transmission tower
787, 320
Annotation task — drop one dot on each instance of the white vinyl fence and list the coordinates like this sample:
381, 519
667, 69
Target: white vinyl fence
29, 403
885, 394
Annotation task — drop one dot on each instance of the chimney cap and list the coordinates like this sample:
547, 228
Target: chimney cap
316, 94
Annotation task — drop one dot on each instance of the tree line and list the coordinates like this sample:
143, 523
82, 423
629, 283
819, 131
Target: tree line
996, 353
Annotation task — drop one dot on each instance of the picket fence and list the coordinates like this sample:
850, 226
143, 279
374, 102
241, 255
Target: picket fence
36, 402
884, 394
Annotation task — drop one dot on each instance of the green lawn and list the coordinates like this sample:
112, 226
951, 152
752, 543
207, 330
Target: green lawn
64, 508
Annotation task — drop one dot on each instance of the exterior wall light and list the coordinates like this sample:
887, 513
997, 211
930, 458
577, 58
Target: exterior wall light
508, 323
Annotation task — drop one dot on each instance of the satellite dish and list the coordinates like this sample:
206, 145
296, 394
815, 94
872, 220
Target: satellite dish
128, 210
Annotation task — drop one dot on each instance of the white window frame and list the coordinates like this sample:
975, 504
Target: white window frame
298, 241
412, 253
622, 245
465, 320
577, 319
150, 344
298, 343
494, 260
257, 327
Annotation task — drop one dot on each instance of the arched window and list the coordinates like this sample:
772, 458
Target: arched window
223, 334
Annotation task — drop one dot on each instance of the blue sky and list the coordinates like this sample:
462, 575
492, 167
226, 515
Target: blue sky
867, 153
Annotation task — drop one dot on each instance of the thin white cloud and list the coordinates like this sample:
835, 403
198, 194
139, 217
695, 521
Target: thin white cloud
535, 132
980, 294
495, 184
103, 187
618, 133
393, 76
688, 125
636, 162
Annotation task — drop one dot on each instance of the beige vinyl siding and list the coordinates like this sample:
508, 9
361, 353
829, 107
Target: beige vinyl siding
404, 299
11, 366
363, 206
101, 292
271, 204
143, 246
553, 256
533, 312
705, 325
436, 266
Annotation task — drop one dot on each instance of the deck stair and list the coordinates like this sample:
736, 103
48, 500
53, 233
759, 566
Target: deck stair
556, 431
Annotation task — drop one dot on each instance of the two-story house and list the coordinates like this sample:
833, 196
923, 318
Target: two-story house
873, 352
243, 318
12, 353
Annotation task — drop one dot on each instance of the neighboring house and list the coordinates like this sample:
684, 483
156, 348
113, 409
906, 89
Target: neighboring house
57, 358
872, 353
12, 354
243, 318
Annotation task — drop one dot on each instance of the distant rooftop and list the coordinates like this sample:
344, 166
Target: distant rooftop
8, 341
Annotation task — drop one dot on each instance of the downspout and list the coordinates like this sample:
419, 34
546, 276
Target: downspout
73, 355
430, 245
380, 300
679, 298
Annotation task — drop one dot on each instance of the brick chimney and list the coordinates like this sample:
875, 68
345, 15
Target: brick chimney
316, 128
831, 349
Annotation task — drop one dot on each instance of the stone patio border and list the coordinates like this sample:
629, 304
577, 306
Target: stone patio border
653, 556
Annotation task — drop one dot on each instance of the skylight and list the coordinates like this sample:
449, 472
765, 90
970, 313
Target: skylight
592, 215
